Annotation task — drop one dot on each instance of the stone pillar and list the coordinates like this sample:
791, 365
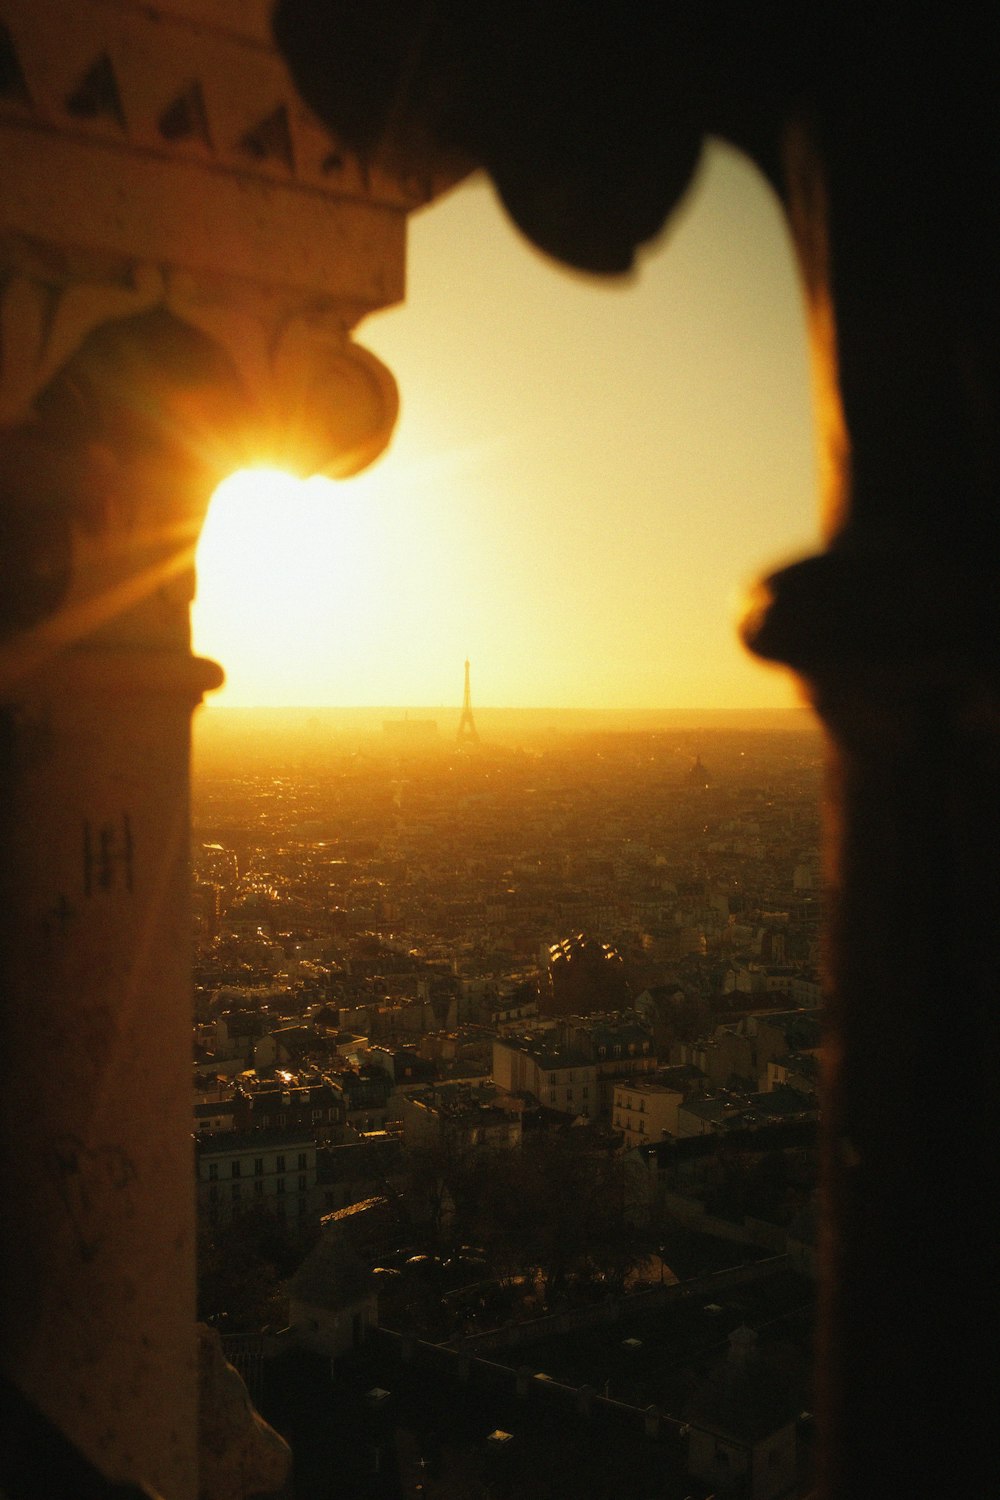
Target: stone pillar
894, 634
913, 826
98, 688
184, 253
105, 484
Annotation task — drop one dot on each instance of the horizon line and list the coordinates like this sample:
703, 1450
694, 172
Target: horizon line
216, 707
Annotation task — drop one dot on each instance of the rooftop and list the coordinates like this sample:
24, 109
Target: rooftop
231, 1142
546, 1054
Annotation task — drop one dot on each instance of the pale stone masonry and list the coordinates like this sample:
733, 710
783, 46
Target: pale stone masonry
556, 1077
644, 1110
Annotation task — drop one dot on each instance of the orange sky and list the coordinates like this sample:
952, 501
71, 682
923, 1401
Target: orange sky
584, 478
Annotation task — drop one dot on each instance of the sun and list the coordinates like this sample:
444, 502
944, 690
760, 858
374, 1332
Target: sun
347, 592
281, 566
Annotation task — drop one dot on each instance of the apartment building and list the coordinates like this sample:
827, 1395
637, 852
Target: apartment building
238, 1171
645, 1109
561, 1078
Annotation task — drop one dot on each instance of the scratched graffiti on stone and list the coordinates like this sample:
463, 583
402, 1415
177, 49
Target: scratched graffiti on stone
93, 1183
56, 922
108, 853
83, 1035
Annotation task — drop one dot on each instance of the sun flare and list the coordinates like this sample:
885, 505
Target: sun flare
279, 565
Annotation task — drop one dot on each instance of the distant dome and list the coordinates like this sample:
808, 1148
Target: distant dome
584, 974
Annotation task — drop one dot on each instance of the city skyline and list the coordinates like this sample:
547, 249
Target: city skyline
584, 479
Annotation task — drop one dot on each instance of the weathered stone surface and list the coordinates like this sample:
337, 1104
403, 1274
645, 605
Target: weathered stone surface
240, 1456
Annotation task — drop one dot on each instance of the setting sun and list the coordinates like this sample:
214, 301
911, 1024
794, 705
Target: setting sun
281, 583
328, 592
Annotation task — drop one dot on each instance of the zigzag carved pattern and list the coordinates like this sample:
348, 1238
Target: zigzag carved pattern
97, 96
186, 118
280, 141
271, 139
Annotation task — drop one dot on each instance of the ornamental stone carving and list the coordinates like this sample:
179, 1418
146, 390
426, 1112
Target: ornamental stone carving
162, 159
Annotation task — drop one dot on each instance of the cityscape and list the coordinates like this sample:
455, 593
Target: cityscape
506, 1051
490, 1081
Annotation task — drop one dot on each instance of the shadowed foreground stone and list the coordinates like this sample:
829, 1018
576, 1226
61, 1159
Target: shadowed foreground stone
240, 1457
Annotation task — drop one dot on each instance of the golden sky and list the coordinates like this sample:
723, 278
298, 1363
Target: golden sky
584, 478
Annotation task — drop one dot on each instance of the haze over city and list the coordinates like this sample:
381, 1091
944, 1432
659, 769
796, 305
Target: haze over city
523, 1031
582, 484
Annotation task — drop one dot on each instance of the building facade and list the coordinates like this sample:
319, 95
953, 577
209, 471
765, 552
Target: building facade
273, 1171
645, 1110
556, 1077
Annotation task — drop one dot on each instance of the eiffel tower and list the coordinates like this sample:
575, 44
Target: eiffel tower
467, 732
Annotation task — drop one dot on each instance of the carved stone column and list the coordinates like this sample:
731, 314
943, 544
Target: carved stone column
98, 1231
183, 254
